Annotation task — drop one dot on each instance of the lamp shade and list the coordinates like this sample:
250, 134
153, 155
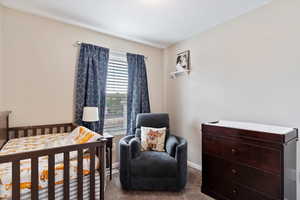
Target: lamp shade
90, 114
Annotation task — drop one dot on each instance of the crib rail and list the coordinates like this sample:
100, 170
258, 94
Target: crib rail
25, 131
95, 148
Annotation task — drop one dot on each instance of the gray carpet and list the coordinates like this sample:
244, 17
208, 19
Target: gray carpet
191, 192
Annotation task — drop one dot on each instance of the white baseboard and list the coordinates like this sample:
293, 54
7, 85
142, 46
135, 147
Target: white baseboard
194, 165
292, 174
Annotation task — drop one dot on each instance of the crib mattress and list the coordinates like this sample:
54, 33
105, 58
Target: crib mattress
59, 190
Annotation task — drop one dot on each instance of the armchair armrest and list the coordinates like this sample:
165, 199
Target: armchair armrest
130, 147
181, 157
171, 145
181, 150
135, 146
125, 150
125, 158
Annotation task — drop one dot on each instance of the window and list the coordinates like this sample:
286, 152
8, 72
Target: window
116, 95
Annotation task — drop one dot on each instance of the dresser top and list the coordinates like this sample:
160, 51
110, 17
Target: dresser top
252, 127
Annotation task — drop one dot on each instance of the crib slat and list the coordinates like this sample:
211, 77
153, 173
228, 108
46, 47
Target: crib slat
66, 175
34, 179
65, 129
17, 134
26, 132
79, 175
34, 132
42, 131
16, 180
92, 173
69, 128
51, 176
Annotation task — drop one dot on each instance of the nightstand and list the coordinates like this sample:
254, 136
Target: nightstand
109, 146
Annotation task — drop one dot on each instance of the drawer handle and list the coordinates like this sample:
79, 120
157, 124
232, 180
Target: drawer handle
233, 151
234, 171
234, 192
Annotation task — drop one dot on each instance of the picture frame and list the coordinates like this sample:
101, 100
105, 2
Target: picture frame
183, 61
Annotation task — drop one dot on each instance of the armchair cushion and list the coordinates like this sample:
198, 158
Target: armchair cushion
153, 164
153, 139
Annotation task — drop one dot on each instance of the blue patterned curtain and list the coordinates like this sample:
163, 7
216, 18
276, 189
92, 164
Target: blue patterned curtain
138, 97
91, 83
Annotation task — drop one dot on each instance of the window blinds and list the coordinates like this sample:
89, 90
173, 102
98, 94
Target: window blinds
116, 95
117, 77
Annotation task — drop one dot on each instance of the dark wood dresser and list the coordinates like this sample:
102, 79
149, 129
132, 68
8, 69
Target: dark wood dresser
247, 161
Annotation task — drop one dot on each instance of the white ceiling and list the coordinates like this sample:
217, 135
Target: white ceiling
158, 23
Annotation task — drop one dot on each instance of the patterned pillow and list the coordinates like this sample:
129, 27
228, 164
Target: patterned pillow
153, 139
81, 135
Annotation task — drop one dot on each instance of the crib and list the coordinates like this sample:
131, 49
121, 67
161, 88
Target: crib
85, 186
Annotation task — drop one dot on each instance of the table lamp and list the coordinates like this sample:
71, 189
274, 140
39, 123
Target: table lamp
91, 115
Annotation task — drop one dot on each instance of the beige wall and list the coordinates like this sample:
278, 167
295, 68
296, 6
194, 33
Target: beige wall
247, 69
40, 62
1, 59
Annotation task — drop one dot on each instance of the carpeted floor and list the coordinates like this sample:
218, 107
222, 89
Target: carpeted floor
191, 191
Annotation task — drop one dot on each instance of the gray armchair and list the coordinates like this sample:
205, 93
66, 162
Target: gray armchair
150, 170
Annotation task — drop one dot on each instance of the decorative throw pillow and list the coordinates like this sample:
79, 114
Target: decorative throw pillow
153, 139
81, 135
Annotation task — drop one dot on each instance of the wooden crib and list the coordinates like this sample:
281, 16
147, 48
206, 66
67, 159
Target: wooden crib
95, 149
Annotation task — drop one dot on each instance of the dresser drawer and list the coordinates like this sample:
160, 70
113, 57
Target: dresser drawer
233, 191
266, 159
216, 169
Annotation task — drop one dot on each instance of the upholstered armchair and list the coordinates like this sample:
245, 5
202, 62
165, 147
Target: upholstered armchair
150, 170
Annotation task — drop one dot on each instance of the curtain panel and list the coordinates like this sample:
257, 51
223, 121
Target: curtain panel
91, 83
138, 96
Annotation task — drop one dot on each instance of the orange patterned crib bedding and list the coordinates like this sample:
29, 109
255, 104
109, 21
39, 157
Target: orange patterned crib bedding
39, 142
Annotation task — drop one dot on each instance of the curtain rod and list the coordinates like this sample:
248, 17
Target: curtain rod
78, 43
